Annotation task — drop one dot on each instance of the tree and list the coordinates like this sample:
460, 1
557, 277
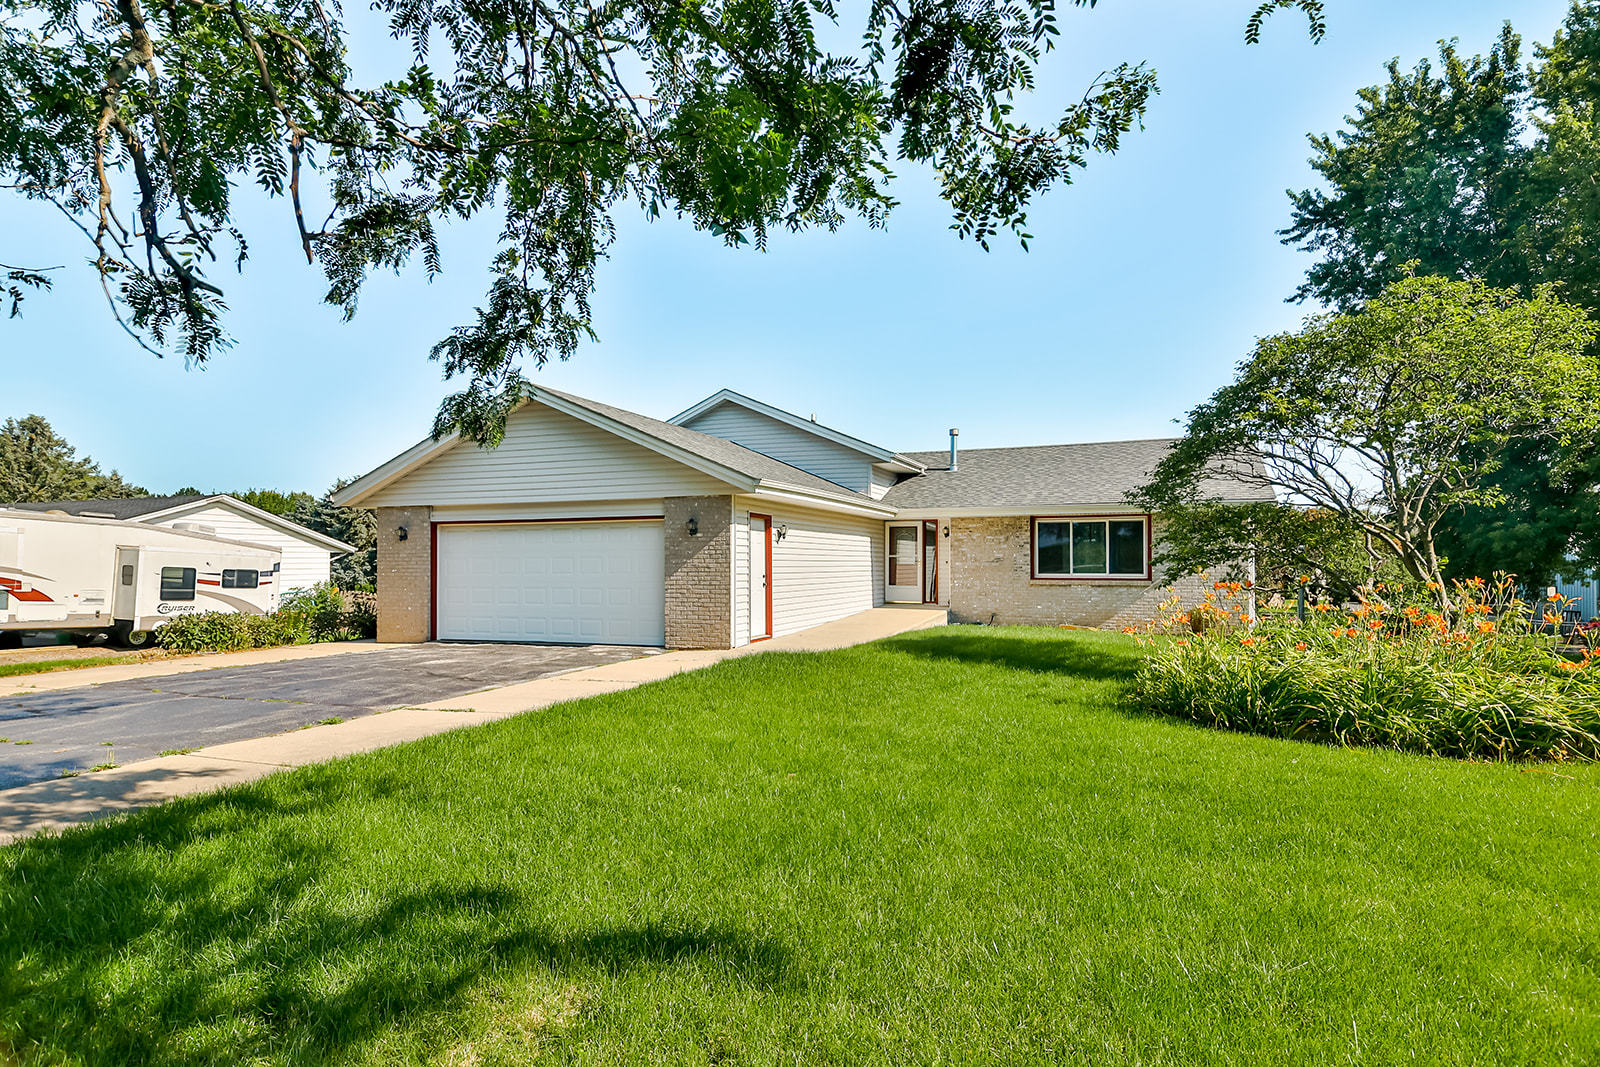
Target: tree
275, 501
1478, 168
1391, 417
38, 464
357, 527
1276, 547
739, 115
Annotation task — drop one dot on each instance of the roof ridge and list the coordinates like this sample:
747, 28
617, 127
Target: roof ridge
1063, 444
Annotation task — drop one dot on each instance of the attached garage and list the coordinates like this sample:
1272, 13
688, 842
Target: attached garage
591, 524
566, 582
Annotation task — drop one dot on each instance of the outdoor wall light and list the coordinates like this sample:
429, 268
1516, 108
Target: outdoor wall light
401, 533
782, 532
947, 530
693, 526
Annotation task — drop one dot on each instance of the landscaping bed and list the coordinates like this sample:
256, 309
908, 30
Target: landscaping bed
947, 847
1474, 680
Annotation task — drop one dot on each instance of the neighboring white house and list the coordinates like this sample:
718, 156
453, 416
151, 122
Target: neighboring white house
307, 554
736, 521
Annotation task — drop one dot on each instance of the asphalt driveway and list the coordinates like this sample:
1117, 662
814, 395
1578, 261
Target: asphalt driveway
47, 734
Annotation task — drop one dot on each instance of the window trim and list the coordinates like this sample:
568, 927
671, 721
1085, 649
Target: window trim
191, 588
235, 572
1107, 517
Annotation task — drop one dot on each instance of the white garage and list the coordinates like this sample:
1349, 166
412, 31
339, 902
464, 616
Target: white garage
573, 582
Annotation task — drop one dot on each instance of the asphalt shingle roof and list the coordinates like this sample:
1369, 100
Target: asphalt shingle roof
718, 450
123, 508
1046, 475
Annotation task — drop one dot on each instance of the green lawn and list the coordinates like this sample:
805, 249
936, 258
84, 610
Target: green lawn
951, 847
45, 666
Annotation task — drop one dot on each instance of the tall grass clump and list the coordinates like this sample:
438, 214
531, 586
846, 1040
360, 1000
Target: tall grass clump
1481, 682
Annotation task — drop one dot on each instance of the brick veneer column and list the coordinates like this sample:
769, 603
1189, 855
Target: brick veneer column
699, 572
405, 574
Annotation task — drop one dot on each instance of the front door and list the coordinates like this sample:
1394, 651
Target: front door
760, 577
930, 562
904, 577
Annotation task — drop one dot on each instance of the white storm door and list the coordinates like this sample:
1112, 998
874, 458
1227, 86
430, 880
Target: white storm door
563, 582
904, 576
760, 587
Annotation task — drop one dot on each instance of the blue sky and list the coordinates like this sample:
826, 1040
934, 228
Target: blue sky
1147, 280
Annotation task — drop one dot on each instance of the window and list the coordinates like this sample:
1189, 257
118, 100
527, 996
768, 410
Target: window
1086, 548
127, 574
903, 556
177, 583
241, 579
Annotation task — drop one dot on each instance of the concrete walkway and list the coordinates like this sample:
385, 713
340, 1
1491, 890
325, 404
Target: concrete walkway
62, 802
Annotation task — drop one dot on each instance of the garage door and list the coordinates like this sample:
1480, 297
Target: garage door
578, 582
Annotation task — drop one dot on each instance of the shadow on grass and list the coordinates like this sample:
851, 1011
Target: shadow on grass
216, 930
1024, 650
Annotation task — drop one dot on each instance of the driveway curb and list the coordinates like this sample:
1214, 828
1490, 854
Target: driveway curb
64, 802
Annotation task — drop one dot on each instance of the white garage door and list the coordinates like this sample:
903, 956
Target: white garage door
568, 582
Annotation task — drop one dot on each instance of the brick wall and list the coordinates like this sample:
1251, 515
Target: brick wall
992, 581
405, 574
699, 572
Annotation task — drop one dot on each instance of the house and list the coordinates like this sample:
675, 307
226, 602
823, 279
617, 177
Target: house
735, 521
1583, 592
307, 554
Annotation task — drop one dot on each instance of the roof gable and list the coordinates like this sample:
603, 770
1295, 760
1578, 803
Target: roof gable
148, 509
250, 511
725, 462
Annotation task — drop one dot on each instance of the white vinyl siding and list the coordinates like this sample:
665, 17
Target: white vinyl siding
826, 567
597, 509
304, 564
882, 482
838, 463
545, 456
741, 574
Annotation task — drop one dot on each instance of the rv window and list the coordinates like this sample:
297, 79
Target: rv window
241, 579
127, 574
177, 583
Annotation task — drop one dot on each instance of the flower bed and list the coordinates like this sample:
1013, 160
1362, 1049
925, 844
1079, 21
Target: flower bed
1474, 682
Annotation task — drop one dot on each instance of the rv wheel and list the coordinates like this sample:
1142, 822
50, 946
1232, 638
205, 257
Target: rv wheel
136, 638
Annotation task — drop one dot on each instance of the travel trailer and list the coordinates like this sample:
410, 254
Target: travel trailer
89, 576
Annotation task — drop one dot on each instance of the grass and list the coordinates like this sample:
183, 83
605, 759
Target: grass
950, 847
44, 666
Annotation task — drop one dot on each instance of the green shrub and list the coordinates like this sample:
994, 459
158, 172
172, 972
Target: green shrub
321, 608
330, 614
1477, 686
361, 613
226, 631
